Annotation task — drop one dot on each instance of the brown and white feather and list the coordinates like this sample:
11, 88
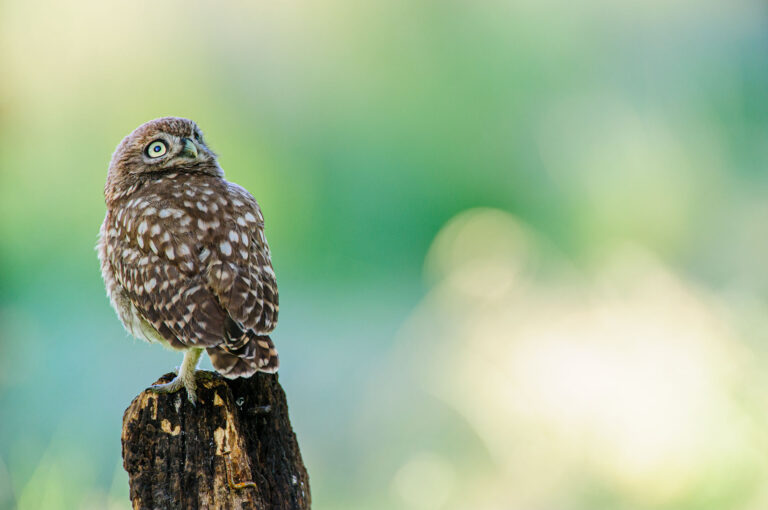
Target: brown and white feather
186, 262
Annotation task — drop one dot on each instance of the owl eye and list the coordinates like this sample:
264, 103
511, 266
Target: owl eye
156, 149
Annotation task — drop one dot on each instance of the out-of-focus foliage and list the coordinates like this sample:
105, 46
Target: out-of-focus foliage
521, 246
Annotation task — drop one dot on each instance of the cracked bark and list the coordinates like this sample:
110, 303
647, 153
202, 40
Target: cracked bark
234, 450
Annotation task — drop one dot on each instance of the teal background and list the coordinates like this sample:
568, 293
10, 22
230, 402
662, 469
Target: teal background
521, 246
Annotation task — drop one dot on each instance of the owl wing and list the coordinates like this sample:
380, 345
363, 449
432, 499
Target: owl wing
240, 273
241, 277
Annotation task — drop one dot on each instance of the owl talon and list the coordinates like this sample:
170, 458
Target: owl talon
175, 385
185, 378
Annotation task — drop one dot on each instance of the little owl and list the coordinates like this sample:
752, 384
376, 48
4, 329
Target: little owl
183, 254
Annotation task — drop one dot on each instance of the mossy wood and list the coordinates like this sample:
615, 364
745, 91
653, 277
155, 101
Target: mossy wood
235, 449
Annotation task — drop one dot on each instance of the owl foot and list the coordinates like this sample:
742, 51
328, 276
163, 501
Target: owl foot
185, 378
176, 384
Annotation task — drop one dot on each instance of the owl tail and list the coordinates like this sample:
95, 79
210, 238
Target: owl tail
250, 354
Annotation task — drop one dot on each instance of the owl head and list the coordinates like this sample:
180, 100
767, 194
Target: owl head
162, 146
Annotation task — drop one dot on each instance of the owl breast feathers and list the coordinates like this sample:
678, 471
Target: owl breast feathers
184, 256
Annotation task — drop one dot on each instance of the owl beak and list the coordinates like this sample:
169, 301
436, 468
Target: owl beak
190, 149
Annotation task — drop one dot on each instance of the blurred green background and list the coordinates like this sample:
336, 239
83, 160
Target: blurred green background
521, 246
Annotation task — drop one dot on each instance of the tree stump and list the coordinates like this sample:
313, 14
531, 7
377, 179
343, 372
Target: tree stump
234, 449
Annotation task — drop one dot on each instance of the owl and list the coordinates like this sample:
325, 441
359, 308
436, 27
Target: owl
183, 254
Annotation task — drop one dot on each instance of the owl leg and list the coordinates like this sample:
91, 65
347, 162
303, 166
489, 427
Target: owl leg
185, 378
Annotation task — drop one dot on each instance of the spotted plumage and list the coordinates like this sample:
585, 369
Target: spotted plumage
184, 256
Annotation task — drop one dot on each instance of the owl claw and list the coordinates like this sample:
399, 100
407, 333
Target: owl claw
185, 377
175, 385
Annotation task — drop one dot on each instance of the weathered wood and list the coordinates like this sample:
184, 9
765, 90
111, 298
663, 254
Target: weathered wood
235, 449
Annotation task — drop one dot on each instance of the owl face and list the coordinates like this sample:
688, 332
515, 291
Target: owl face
165, 145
